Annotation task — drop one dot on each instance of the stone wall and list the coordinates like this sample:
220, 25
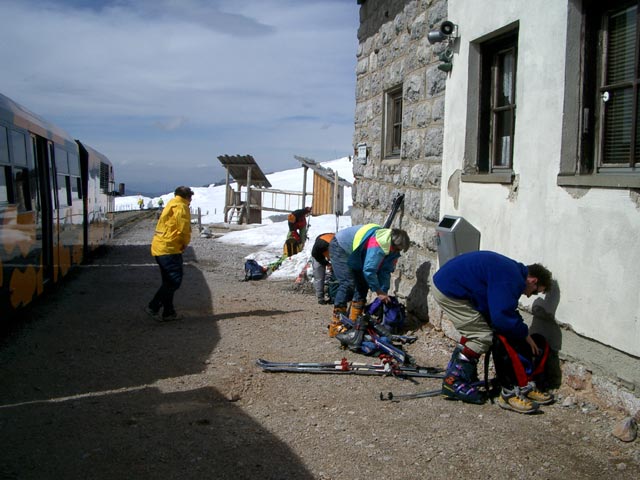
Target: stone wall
394, 50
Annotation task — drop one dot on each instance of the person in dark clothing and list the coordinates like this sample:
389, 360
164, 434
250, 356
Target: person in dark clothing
298, 226
320, 261
479, 291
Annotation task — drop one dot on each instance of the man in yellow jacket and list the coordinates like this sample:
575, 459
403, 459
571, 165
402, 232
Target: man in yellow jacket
172, 235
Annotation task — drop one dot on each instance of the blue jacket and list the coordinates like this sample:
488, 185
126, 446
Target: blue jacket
369, 250
492, 283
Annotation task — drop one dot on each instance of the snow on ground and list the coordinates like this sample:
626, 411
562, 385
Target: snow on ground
269, 237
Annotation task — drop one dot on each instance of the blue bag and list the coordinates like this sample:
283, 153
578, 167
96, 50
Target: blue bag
392, 315
253, 270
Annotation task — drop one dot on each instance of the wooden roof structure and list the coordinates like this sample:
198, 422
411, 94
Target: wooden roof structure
244, 167
323, 172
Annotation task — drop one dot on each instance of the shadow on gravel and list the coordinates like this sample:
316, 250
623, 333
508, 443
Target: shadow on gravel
254, 313
77, 396
141, 434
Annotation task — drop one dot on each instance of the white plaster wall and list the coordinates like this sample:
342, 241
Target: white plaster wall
588, 238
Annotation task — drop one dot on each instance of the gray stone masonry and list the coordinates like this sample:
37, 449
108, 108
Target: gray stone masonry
393, 52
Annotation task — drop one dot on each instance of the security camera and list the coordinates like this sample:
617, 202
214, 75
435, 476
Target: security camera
446, 30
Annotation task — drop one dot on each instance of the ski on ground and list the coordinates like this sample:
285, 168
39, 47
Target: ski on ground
345, 367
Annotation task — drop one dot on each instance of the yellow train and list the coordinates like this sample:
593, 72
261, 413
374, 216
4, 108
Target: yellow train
56, 205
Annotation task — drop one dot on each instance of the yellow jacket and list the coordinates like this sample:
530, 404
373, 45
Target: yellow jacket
173, 231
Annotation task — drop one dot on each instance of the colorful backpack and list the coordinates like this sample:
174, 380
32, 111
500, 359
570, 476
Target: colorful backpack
392, 315
253, 270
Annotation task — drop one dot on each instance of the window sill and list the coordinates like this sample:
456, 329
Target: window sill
392, 160
503, 178
605, 181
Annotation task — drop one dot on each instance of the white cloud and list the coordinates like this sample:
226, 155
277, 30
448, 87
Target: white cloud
265, 77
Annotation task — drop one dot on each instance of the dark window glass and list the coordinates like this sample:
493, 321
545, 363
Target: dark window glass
76, 189
18, 148
74, 164
62, 164
393, 123
4, 187
611, 142
23, 195
4, 145
497, 103
63, 192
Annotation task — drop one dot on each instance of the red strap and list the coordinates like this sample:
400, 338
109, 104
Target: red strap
518, 368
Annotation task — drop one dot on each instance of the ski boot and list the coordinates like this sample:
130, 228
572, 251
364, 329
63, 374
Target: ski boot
356, 310
336, 326
352, 339
460, 377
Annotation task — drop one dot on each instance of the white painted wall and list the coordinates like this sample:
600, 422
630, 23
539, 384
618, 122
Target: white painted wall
588, 238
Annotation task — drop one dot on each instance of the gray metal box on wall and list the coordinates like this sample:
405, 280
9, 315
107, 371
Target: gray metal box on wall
455, 236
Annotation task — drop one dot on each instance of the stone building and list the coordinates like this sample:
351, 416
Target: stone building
399, 123
523, 120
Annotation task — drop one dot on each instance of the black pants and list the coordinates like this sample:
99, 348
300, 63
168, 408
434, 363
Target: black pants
171, 271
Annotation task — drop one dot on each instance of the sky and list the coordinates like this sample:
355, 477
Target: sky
267, 238
163, 87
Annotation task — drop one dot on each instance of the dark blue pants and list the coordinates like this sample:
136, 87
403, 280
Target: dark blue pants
351, 283
171, 271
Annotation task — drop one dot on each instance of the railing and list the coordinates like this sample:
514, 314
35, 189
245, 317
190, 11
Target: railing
283, 200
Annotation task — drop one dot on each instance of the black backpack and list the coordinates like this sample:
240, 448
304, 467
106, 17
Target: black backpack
253, 270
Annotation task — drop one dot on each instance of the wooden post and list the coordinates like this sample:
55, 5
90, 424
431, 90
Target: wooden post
335, 193
248, 202
304, 187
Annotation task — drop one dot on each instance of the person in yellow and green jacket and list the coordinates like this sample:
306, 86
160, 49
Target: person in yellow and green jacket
172, 235
363, 258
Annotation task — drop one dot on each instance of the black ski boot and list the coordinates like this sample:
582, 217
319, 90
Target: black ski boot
461, 379
353, 338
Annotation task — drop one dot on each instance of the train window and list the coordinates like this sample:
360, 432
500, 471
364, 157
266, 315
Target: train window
21, 183
4, 145
62, 165
4, 188
104, 177
63, 190
19, 148
74, 164
76, 189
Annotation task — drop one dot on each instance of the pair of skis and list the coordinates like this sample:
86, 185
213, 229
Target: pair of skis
345, 367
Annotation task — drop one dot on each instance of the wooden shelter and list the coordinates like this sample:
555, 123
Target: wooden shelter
244, 207
328, 188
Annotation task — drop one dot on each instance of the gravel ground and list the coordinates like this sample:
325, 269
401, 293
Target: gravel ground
93, 388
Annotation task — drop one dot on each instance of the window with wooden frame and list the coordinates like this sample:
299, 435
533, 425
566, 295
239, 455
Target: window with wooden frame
607, 111
612, 85
393, 123
498, 62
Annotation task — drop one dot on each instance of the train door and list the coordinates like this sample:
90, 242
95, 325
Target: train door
43, 156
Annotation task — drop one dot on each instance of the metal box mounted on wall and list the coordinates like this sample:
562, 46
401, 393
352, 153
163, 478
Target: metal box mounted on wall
455, 236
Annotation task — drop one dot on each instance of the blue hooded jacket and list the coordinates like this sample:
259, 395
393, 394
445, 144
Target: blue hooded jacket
492, 283
369, 250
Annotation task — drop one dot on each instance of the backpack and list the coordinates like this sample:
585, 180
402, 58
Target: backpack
392, 315
291, 247
253, 270
514, 362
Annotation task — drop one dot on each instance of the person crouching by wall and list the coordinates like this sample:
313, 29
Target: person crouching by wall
363, 258
479, 291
